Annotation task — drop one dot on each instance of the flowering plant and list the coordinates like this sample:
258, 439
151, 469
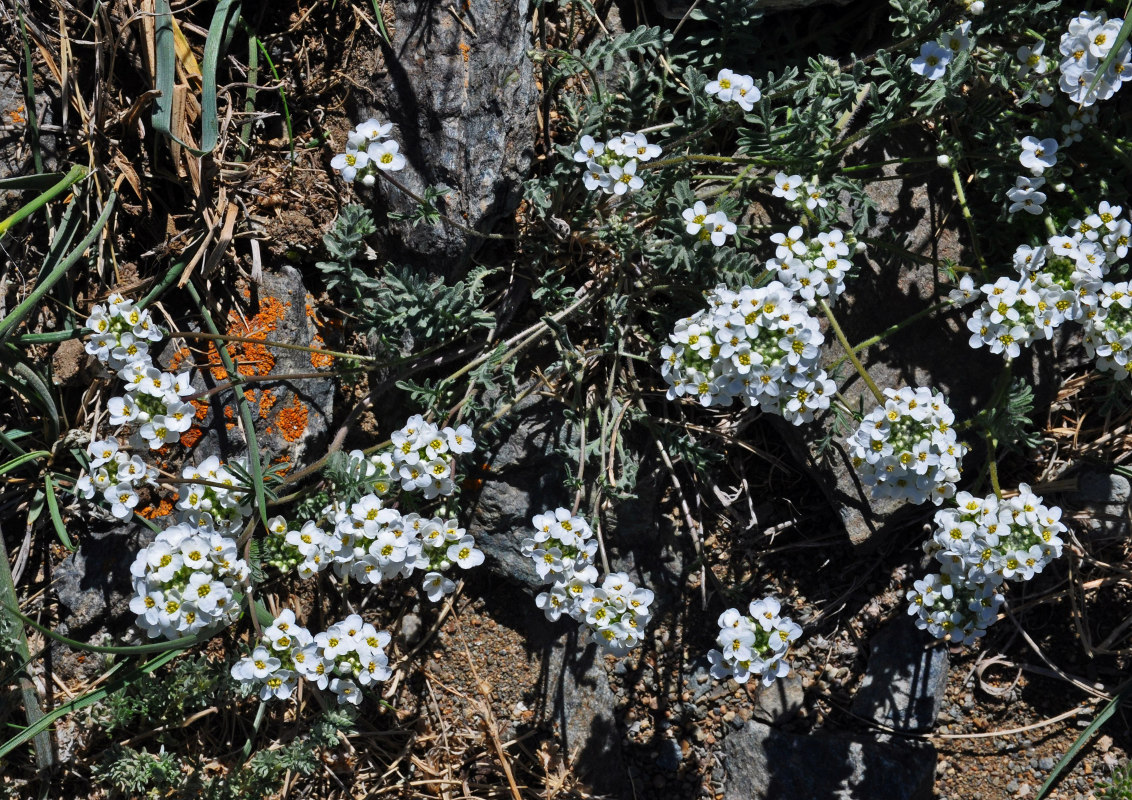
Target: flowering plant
753, 644
759, 346
908, 448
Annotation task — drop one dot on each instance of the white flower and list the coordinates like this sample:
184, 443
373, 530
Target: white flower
814, 197
1038, 155
595, 177
437, 586
122, 499
349, 164
718, 228
372, 129
385, 155
787, 186
624, 178
1028, 200
695, 217
588, 150
465, 553
958, 40
932, 61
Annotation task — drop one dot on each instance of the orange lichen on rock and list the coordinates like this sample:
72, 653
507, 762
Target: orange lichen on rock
292, 421
190, 437
202, 408
162, 509
267, 399
182, 355
320, 360
250, 358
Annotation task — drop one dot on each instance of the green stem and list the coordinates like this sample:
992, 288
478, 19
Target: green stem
969, 219
12, 320
992, 465
899, 326
267, 343
255, 470
840, 334
890, 162
77, 173
693, 158
44, 755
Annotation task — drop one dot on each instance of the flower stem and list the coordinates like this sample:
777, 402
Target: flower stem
840, 334
992, 465
899, 326
970, 220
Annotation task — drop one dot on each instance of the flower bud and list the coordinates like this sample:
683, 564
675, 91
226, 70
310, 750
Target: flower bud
943, 160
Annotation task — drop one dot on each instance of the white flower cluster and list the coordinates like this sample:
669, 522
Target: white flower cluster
979, 545
368, 152
185, 580
154, 400
758, 345
347, 657
935, 56
207, 504
731, 87
714, 227
421, 456
371, 542
612, 167
121, 332
563, 550
1059, 281
793, 189
1108, 329
753, 644
811, 268
1087, 42
116, 475
908, 449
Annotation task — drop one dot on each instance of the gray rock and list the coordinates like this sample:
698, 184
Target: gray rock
526, 477
16, 156
459, 88
1104, 497
93, 584
291, 414
906, 678
781, 701
1103, 488
411, 629
761, 763
578, 703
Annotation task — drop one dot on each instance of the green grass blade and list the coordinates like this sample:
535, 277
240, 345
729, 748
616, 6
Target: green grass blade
53, 510
1121, 37
56, 273
121, 650
29, 95
52, 337
282, 96
30, 183
219, 34
88, 699
1085, 737
21, 378
22, 459
254, 467
44, 754
76, 174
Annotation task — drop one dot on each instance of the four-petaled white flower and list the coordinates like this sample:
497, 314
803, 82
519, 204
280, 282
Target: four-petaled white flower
932, 61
